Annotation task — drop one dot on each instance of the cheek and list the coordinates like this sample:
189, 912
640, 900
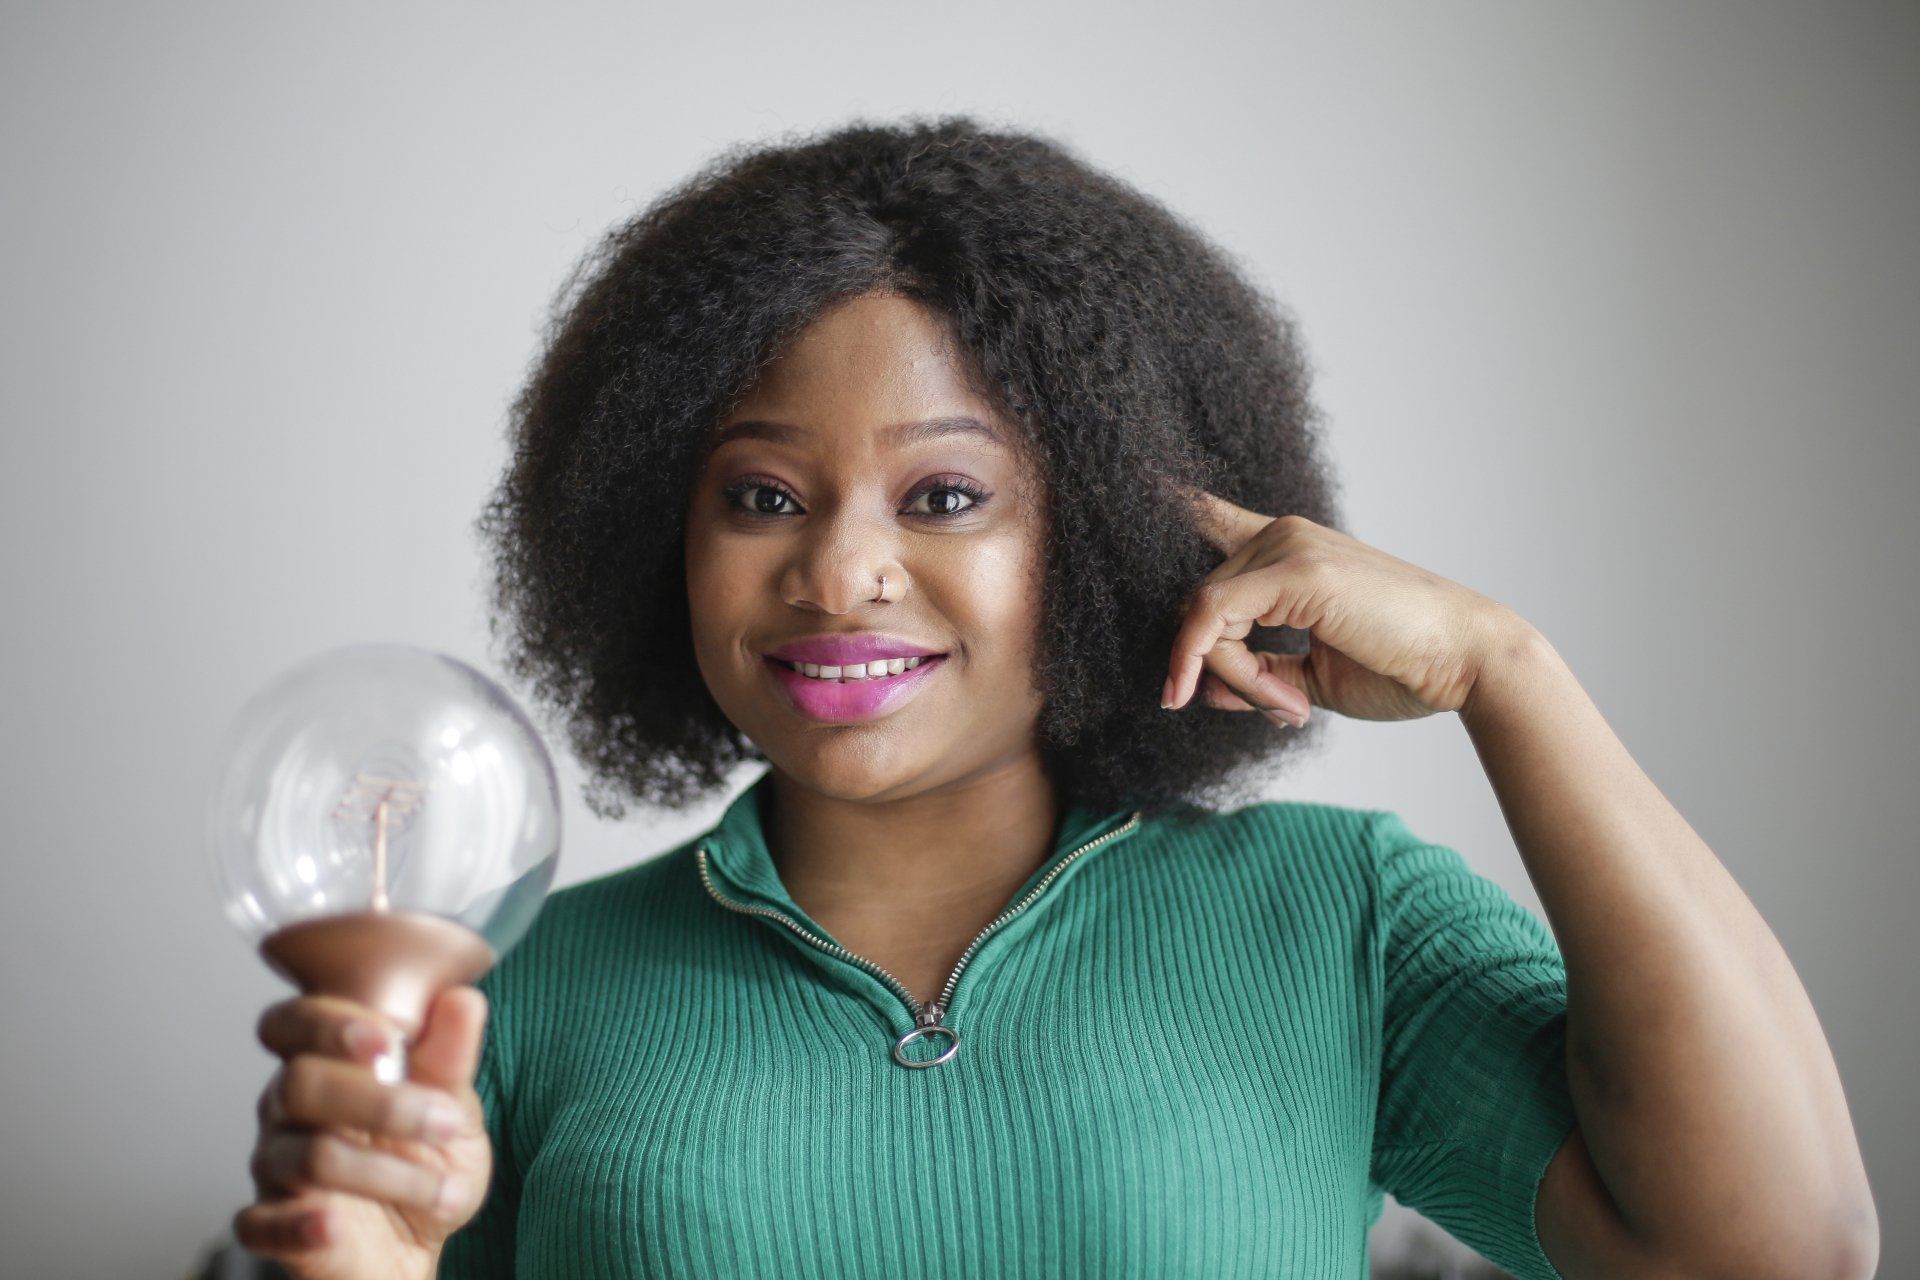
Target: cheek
1003, 594
717, 587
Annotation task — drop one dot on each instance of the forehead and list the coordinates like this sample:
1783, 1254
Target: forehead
898, 435
882, 368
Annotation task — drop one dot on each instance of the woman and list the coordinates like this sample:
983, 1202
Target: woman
981, 498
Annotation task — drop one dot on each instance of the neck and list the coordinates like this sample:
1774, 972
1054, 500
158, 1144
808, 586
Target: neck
961, 849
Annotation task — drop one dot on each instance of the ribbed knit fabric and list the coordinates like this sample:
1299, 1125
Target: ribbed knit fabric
1200, 1051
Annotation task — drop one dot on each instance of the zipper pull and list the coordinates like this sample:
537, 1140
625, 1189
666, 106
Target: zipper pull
927, 1022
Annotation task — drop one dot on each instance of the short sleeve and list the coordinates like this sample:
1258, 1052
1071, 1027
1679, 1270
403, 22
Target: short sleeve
1473, 1099
484, 1248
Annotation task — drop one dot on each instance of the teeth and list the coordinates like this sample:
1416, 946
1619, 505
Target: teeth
858, 670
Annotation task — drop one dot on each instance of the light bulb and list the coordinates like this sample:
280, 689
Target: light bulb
383, 822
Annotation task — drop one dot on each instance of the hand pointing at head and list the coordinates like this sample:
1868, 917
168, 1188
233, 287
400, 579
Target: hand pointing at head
1389, 640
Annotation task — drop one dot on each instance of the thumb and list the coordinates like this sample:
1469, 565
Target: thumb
448, 1051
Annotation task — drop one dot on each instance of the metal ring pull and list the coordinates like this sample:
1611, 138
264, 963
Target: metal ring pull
900, 1045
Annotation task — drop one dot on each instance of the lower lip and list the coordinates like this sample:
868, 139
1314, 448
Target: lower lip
851, 701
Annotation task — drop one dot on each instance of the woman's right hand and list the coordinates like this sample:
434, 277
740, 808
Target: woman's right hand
358, 1178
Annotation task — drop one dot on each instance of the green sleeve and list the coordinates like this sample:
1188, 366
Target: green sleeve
1473, 1091
484, 1248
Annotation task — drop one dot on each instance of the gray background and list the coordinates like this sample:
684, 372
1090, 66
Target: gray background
1615, 315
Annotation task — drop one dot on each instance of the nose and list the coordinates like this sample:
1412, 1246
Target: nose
838, 559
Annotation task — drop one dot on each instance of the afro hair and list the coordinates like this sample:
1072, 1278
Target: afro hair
1134, 355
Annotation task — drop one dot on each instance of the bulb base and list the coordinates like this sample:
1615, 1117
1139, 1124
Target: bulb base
393, 962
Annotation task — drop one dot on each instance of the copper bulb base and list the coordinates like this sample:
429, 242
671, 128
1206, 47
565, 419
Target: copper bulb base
393, 962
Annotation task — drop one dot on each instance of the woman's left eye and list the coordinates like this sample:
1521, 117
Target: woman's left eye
948, 492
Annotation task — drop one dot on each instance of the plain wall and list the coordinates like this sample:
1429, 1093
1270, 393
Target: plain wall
1615, 314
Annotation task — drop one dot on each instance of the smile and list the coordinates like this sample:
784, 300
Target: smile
855, 692
856, 671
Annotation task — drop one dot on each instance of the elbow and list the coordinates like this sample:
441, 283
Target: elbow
1856, 1253
1847, 1249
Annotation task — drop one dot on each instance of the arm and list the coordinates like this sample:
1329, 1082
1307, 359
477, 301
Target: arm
1713, 1136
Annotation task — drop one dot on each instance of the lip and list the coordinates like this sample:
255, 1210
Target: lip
846, 648
849, 702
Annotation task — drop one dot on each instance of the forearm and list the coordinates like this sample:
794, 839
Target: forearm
1706, 1093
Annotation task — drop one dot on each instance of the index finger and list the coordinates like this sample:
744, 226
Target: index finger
1227, 526
325, 1025
1203, 640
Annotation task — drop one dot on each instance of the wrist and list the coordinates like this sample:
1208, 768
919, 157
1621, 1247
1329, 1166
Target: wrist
1517, 655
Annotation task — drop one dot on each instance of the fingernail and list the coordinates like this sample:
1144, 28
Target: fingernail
1283, 718
364, 1040
442, 1120
1166, 694
453, 1193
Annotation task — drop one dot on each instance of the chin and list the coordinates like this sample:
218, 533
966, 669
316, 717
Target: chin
849, 774
846, 770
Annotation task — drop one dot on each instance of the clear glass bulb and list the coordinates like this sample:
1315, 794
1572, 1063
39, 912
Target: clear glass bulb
383, 821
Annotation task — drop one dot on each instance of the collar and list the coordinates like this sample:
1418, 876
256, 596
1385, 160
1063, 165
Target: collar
737, 845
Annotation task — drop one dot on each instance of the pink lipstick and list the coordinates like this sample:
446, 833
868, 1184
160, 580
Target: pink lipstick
831, 696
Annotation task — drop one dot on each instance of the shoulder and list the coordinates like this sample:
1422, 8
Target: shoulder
1282, 835
588, 926
618, 894
1300, 855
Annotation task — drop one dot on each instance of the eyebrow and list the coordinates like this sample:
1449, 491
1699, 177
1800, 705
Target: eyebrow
900, 433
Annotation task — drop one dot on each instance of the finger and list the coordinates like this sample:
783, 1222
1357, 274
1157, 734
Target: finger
325, 1025
1247, 678
448, 1051
1226, 526
1218, 618
1214, 692
290, 1161
1252, 694
279, 1229
316, 1091
1293, 670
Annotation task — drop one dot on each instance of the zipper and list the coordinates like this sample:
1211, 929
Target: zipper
927, 1018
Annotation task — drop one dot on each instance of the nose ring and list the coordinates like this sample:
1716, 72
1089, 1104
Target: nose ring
883, 588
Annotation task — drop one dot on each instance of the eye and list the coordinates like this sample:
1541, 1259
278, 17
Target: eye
948, 497
947, 506
771, 495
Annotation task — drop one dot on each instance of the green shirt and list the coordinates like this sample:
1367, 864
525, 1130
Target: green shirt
1184, 1050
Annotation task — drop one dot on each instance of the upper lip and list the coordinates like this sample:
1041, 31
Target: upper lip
829, 649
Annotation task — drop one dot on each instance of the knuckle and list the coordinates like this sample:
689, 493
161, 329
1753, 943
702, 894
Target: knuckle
302, 1090
325, 1159
271, 1027
444, 1200
246, 1228
397, 1112
1307, 563
260, 1168
422, 1186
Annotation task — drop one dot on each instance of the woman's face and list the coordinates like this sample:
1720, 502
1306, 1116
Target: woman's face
834, 470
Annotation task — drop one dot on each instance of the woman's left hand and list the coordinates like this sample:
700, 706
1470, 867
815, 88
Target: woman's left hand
1388, 640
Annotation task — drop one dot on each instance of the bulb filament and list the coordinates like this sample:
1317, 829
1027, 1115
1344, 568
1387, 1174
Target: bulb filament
380, 902
394, 801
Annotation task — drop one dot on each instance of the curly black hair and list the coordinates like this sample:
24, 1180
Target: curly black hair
1134, 354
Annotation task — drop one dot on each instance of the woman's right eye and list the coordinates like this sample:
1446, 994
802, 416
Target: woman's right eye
766, 498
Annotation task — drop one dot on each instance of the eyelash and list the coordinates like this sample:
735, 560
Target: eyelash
978, 497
